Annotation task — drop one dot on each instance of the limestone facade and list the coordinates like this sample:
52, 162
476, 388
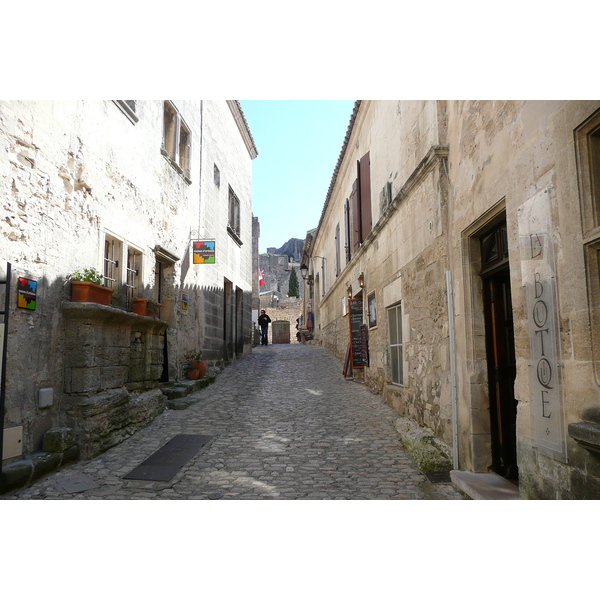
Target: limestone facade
469, 229
124, 187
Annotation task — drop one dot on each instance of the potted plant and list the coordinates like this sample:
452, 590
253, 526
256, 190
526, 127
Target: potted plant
196, 368
86, 286
146, 307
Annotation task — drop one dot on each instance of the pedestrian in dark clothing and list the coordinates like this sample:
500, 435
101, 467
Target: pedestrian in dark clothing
263, 322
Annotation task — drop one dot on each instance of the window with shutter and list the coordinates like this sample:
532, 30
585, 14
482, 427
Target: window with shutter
364, 178
337, 249
348, 246
356, 221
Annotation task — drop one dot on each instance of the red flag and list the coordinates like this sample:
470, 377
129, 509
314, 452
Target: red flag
261, 279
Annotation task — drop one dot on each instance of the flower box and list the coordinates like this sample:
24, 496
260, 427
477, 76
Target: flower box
86, 291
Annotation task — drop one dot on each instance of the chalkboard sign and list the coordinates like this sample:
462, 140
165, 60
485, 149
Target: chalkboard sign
355, 316
364, 342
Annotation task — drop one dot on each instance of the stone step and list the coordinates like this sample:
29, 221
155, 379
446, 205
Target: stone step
178, 394
484, 486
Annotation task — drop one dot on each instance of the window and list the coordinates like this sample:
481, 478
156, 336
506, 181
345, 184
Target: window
128, 108
372, 308
360, 201
217, 175
587, 138
347, 238
134, 267
112, 261
395, 338
337, 250
122, 270
233, 226
177, 140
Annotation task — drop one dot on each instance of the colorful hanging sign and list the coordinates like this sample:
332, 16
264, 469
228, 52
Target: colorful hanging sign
203, 252
26, 293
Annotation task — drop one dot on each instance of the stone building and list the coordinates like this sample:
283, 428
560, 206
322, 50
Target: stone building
155, 195
276, 268
467, 233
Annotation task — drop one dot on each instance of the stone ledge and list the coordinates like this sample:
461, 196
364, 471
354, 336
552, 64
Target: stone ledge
430, 454
24, 472
110, 314
177, 395
586, 434
484, 486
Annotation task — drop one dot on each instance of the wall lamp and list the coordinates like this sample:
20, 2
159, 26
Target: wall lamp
304, 272
361, 280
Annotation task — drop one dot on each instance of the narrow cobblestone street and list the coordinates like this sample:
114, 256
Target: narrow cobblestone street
284, 425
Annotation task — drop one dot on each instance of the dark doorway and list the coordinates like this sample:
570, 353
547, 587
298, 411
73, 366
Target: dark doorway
500, 351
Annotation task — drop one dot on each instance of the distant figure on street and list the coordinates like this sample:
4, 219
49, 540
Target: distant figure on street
264, 321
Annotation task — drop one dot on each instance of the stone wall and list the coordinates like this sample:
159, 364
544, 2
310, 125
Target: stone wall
290, 312
113, 364
79, 174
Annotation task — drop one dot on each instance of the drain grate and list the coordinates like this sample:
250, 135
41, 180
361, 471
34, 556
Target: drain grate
439, 477
165, 462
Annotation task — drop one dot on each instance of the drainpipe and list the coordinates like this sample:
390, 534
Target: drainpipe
452, 332
3, 356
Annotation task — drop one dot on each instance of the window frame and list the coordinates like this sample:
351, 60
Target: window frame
234, 216
372, 303
399, 343
587, 146
118, 275
176, 144
128, 108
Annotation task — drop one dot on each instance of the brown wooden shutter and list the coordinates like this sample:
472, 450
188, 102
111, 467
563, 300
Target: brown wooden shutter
348, 245
356, 221
364, 176
337, 250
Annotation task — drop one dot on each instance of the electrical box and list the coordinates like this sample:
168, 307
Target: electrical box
45, 397
12, 442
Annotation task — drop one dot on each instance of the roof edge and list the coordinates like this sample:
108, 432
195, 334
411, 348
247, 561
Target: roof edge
338, 164
240, 120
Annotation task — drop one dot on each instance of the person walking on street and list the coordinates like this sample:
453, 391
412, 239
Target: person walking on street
264, 321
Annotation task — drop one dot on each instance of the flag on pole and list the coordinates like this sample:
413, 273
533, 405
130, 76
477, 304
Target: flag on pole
261, 279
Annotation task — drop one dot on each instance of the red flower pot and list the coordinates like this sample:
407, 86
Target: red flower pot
145, 307
193, 373
201, 366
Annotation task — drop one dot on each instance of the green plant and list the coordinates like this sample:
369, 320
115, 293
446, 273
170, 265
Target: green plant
197, 356
88, 274
293, 287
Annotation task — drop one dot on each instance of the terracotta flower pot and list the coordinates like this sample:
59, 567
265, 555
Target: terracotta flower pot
146, 307
193, 373
201, 365
85, 291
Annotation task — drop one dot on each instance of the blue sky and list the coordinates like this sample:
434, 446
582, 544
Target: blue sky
299, 143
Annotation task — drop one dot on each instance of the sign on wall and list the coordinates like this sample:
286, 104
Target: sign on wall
203, 252
26, 293
539, 279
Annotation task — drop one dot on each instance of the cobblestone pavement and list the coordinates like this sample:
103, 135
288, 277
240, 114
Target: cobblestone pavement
285, 425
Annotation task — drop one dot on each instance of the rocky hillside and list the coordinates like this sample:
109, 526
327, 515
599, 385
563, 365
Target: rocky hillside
292, 247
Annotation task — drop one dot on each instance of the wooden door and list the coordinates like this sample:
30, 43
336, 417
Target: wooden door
501, 361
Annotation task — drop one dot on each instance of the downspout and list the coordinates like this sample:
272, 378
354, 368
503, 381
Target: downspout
452, 348
200, 157
451, 319
3, 356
